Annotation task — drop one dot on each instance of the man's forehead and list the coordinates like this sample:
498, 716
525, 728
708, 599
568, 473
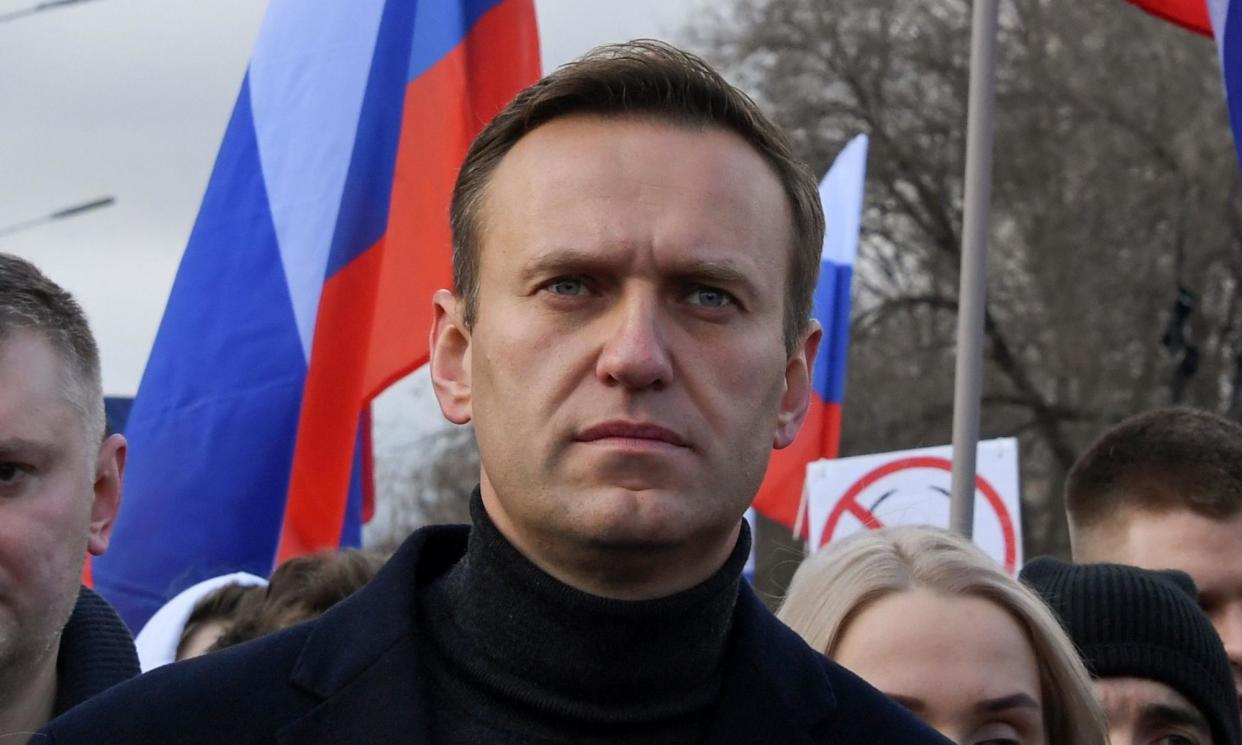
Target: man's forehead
1133, 699
564, 184
556, 156
34, 400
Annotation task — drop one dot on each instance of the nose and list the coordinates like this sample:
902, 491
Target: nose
634, 353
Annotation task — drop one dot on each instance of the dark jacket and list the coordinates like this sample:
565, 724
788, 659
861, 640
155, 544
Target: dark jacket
352, 676
96, 652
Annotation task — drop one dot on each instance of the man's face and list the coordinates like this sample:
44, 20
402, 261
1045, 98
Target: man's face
58, 494
626, 372
1208, 549
1144, 712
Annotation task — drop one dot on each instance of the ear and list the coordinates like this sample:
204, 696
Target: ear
450, 357
797, 398
109, 468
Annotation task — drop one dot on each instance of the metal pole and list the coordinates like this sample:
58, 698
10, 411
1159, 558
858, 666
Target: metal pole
968, 385
61, 214
15, 14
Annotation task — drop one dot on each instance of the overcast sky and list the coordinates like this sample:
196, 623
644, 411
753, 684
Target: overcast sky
129, 98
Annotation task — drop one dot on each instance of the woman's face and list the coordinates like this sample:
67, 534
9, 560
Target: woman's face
961, 663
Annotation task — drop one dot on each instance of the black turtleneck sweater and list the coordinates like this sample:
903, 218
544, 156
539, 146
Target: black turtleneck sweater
511, 655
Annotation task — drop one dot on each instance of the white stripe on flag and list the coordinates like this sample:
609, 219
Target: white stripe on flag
307, 79
841, 192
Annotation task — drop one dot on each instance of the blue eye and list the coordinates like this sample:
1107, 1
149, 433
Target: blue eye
567, 286
709, 297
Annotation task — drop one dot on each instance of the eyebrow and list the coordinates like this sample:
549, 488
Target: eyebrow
18, 446
701, 269
1004, 703
915, 705
1173, 714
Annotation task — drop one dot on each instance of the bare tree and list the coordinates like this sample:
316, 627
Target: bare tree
432, 486
1114, 190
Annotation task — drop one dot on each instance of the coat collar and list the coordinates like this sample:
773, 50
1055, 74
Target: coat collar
370, 687
361, 658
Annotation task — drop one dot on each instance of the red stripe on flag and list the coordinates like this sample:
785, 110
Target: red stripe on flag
375, 312
445, 108
781, 491
331, 403
1189, 14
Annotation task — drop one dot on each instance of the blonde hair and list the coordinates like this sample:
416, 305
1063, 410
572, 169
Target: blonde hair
837, 583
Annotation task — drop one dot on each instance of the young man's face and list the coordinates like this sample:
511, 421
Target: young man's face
1145, 712
58, 494
627, 374
1208, 549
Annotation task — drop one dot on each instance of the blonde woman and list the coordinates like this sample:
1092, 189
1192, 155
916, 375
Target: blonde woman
928, 618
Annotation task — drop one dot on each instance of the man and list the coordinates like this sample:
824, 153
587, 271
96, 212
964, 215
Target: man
634, 255
1160, 671
1163, 490
60, 487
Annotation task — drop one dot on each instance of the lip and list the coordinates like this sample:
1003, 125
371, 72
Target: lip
637, 432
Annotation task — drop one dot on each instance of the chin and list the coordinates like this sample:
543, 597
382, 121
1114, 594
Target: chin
649, 518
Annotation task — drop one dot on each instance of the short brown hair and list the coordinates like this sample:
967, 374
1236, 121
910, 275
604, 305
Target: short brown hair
651, 79
222, 604
31, 301
1166, 458
300, 589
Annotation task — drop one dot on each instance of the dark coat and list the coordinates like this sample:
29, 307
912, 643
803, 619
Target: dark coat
96, 652
352, 676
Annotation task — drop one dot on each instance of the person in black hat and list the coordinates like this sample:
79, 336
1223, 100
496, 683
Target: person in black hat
1160, 669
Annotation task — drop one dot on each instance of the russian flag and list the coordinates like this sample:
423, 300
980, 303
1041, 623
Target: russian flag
1190, 14
1227, 25
305, 288
841, 192
1223, 20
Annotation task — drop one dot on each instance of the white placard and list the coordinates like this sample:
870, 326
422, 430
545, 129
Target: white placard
911, 487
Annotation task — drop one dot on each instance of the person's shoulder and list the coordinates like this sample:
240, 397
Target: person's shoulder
242, 694
96, 652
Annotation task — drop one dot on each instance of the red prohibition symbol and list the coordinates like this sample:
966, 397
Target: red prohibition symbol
849, 503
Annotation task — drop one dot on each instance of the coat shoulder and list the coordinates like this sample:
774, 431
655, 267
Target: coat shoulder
237, 695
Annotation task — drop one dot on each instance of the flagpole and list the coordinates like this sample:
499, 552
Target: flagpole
968, 384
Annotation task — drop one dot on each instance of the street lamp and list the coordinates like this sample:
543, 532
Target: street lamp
77, 209
47, 5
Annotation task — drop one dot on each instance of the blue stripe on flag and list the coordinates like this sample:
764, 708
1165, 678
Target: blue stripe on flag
212, 429
441, 25
363, 217
831, 307
841, 193
351, 528
1231, 68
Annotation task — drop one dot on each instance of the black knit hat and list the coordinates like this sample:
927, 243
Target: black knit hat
1135, 623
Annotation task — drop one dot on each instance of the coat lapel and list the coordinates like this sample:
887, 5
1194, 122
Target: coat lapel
383, 704
360, 661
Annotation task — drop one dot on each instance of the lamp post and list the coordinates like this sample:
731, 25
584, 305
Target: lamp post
71, 211
13, 15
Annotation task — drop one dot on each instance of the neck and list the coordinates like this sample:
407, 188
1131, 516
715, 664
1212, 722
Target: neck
548, 654
618, 571
27, 698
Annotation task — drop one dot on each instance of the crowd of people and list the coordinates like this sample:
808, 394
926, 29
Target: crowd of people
635, 250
